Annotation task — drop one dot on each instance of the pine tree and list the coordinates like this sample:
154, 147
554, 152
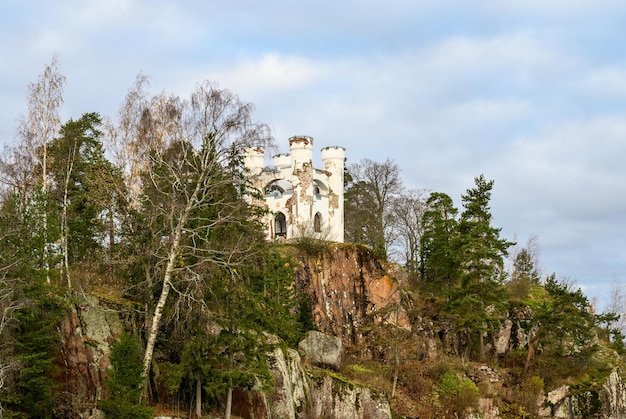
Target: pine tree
480, 300
125, 382
34, 348
440, 241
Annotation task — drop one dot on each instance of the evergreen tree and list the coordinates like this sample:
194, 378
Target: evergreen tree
238, 350
83, 191
562, 323
125, 382
482, 250
480, 301
271, 279
34, 349
231, 355
84, 182
440, 241
29, 311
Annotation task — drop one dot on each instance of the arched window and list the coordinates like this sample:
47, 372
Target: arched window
277, 188
319, 189
274, 190
317, 222
280, 225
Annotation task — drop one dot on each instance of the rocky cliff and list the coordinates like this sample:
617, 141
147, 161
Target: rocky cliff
302, 390
349, 291
347, 286
88, 331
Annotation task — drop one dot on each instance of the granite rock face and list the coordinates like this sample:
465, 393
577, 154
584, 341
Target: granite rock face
87, 335
312, 393
607, 402
347, 287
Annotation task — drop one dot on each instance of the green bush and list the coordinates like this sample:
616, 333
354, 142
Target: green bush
458, 393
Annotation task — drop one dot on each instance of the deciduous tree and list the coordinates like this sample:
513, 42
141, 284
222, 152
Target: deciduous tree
408, 215
35, 132
371, 189
193, 185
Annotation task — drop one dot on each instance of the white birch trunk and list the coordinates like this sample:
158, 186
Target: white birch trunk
44, 193
65, 230
167, 276
229, 403
158, 310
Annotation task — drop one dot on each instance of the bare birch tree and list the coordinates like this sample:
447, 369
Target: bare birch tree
369, 196
35, 131
127, 139
617, 305
408, 212
194, 157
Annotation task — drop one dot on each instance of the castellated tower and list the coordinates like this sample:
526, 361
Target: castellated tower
302, 200
334, 162
301, 149
253, 160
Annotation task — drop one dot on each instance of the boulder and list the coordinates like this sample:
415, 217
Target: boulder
321, 349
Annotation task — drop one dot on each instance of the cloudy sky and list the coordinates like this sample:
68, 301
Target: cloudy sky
532, 93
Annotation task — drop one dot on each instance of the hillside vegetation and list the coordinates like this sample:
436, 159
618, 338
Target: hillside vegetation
149, 212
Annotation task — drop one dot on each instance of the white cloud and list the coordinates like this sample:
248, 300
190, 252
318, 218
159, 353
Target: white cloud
517, 57
104, 12
482, 113
269, 74
606, 81
566, 182
556, 8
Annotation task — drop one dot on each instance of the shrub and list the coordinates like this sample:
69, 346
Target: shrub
311, 242
529, 392
458, 393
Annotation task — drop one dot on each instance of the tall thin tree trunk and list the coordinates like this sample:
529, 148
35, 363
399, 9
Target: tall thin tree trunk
148, 274
481, 340
156, 317
65, 235
111, 231
44, 193
167, 276
198, 398
229, 400
396, 354
531, 351
65, 229
229, 393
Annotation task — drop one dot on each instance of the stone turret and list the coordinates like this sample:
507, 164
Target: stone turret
301, 149
254, 159
282, 161
334, 162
